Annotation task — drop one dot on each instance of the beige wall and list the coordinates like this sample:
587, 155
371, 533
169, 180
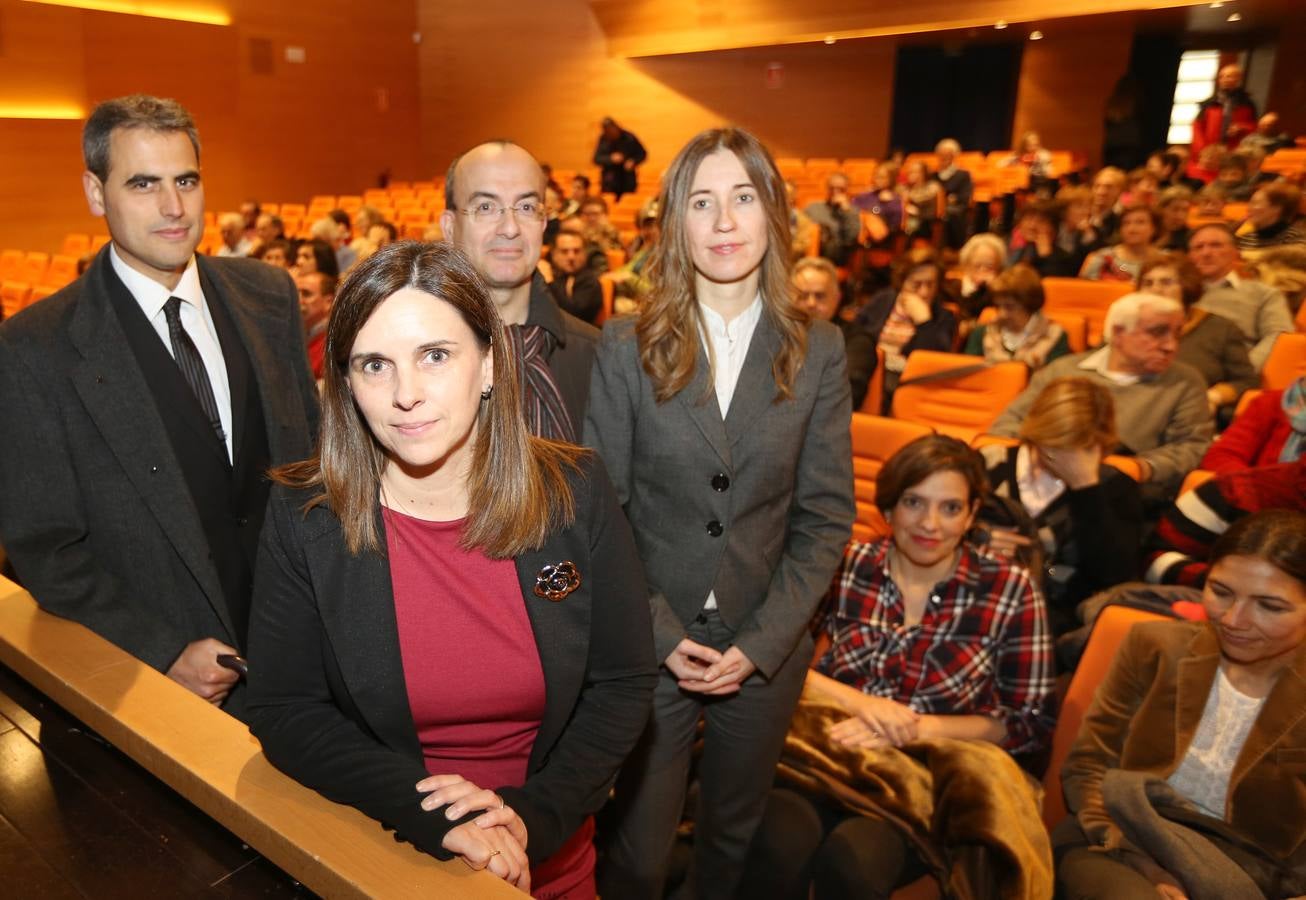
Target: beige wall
547, 81
314, 127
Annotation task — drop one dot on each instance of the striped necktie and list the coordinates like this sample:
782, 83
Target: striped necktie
192, 365
546, 413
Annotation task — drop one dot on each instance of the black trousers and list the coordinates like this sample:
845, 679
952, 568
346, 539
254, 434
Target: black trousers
807, 842
1085, 872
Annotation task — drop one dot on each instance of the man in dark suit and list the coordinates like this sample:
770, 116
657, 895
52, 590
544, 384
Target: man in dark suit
494, 212
145, 402
571, 281
958, 186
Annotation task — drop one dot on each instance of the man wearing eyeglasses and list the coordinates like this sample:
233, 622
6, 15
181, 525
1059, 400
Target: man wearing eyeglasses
494, 212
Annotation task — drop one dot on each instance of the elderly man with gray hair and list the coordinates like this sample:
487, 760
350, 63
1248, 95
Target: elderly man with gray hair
1161, 410
959, 187
234, 242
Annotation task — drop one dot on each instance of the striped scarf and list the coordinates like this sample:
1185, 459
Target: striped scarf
542, 404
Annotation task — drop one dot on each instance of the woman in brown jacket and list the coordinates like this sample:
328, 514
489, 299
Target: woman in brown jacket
1217, 710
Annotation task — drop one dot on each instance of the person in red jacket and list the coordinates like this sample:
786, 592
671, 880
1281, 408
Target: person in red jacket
1271, 429
1226, 117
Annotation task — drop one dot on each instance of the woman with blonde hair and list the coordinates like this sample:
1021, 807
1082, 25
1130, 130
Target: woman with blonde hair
1089, 515
450, 629
722, 414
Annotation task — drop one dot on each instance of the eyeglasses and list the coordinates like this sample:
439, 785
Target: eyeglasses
1158, 283
490, 211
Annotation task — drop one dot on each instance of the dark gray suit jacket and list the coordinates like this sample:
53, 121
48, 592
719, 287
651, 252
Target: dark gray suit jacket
757, 507
327, 693
95, 512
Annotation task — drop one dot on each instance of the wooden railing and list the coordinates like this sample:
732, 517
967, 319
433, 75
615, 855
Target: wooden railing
214, 762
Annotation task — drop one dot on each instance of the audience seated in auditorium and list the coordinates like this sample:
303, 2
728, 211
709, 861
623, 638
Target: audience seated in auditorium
816, 290
884, 199
275, 253
982, 258
909, 314
1141, 186
958, 187
1174, 205
803, 232
1209, 343
1088, 516
1034, 241
1020, 332
346, 256
1255, 159
1206, 170
553, 204
364, 218
316, 255
1224, 118
1261, 312
1104, 211
327, 231
1210, 201
1184, 781
1272, 428
1030, 153
1161, 410
574, 286
1233, 178
1267, 137
600, 234
920, 200
1075, 232
1282, 268
1165, 167
839, 223
928, 639
269, 228
631, 283
1139, 227
382, 234
249, 214
619, 154
580, 192
1272, 218
316, 293
234, 243
1180, 549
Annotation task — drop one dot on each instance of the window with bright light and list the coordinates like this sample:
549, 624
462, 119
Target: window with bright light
1195, 83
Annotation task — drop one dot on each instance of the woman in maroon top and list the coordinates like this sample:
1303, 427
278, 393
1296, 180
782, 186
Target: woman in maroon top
450, 627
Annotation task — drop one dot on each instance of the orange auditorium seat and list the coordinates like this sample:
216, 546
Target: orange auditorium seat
98, 241
293, 211
75, 245
291, 225
14, 296
874, 440
399, 186
1090, 299
271, 209
1301, 319
1286, 362
1234, 212
40, 293
373, 196
327, 200
11, 264
420, 186
62, 270
962, 405
34, 267
349, 203
789, 166
616, 259
1108, 631
873, 404
609, 297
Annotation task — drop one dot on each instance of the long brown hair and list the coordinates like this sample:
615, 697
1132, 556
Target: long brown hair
518, 492
668, 325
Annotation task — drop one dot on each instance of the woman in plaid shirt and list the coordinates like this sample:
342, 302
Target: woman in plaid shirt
929, 638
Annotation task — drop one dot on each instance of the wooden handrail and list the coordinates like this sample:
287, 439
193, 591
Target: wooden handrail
214, 762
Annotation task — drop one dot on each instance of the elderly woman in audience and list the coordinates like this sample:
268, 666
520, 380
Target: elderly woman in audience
1088, 515
1271, 429
1186, 777
1272, 218
1140, 225
1034, 241
450, 630
1210, 202
1020, 332
1210, 343
1075, 233
982, 259
1174, 204
926, 637
909, 314
921, 199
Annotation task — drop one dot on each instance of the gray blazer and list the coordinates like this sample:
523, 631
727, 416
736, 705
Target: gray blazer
757, 507
95, 512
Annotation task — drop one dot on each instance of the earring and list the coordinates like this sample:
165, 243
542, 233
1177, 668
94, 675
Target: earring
485, 394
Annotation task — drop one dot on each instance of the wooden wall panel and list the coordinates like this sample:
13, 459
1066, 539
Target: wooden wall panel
1065, 80
546, 80
331, 124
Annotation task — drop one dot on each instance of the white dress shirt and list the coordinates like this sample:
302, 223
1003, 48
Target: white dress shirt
726, 344
195, 319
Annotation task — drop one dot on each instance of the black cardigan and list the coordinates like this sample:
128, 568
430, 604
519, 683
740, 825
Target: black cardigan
327, 697
936, 334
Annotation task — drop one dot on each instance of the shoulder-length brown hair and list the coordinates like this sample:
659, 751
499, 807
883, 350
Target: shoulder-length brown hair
518, 493
668, 324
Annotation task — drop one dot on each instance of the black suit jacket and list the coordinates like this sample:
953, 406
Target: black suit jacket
96, 513
327, 693
573, 354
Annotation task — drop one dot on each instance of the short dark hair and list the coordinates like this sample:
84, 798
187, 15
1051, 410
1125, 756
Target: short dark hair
341, 218
922, 458
1223, 227
1044, 209
1190, 280
921, 257
1022, 284
327, 284
135, 111
1277, 536
583, 179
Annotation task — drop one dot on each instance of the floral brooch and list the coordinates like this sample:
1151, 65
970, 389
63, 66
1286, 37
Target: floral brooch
557, 580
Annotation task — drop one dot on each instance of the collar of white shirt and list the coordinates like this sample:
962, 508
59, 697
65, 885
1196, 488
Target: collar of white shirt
1097, 362
1232, 279
150, 294
727, 345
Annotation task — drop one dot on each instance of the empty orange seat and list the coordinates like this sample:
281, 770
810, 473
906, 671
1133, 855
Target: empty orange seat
62, 270
874, 403
1090, 299
874, 440
40, 293
616, 259
75, 245
609, 297
98, 241
962, 405
34, 266
1286, 362
293, 211
14, 296
11, 264
349, 203
327, 200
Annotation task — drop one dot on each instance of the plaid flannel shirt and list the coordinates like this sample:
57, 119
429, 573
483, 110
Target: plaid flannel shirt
982, 645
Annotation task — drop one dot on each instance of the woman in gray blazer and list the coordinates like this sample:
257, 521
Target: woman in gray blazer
722, 414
